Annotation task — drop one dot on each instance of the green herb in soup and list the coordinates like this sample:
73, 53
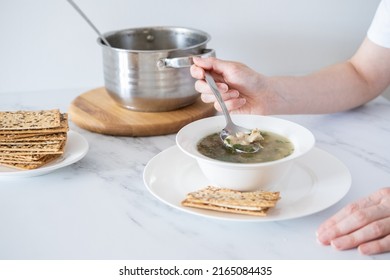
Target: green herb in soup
274, 147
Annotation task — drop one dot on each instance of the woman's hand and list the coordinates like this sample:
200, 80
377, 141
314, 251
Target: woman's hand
364, 224
241, 88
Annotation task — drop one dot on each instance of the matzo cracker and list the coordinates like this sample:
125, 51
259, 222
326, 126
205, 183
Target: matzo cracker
21, 120
226, 200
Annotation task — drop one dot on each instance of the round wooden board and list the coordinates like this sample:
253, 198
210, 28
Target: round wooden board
96, 111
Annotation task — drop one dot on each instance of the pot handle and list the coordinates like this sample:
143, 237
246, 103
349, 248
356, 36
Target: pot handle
181, 62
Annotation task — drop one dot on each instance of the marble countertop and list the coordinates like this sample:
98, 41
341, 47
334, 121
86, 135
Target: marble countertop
99, 207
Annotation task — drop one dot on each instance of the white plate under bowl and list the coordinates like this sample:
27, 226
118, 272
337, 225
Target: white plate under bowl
317, 181
75, 149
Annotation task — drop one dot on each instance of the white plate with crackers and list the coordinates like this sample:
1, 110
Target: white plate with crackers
75, 149
34, 143
316, 182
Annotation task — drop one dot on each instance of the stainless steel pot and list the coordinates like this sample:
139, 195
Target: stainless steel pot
146, 69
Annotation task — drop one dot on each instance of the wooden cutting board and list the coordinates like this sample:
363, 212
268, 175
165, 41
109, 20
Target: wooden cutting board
96, 111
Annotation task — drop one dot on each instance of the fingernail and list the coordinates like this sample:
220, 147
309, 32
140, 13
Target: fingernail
242, 101
335, 244
322, 242
223, 87
234, 94
320, 231
363, 250
322, 239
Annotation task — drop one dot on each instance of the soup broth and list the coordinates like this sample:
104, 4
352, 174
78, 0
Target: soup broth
274, 147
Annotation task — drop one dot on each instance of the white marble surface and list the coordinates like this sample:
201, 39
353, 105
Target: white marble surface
99, 208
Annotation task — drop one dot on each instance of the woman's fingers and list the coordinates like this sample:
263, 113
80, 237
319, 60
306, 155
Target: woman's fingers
197, 72
364, 224
208, 96
206, 63
351, 209
372, 231
233, 105
376, 246
203, 87
351, 218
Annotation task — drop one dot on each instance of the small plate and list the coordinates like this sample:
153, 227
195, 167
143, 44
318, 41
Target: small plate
76, 148
317, 181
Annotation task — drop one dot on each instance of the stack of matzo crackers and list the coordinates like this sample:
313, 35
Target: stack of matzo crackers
255, 203
30, 139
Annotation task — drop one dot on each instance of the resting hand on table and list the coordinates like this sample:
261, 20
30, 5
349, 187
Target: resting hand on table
364, 224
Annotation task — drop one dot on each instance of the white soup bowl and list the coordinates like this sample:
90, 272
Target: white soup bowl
245, 176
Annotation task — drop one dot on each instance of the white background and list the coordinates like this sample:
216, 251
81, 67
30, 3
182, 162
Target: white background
46, 45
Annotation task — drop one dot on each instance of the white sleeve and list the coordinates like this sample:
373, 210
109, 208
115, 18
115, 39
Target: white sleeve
379, 31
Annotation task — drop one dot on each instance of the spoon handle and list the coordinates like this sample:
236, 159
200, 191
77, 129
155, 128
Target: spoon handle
214, 88
74, 5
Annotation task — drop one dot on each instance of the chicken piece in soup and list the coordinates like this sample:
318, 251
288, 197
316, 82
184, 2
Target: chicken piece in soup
274, 147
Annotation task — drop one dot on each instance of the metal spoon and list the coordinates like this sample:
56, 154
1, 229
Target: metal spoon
230, 128
89, 22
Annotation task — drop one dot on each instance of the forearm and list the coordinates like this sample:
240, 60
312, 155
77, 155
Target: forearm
336, 88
